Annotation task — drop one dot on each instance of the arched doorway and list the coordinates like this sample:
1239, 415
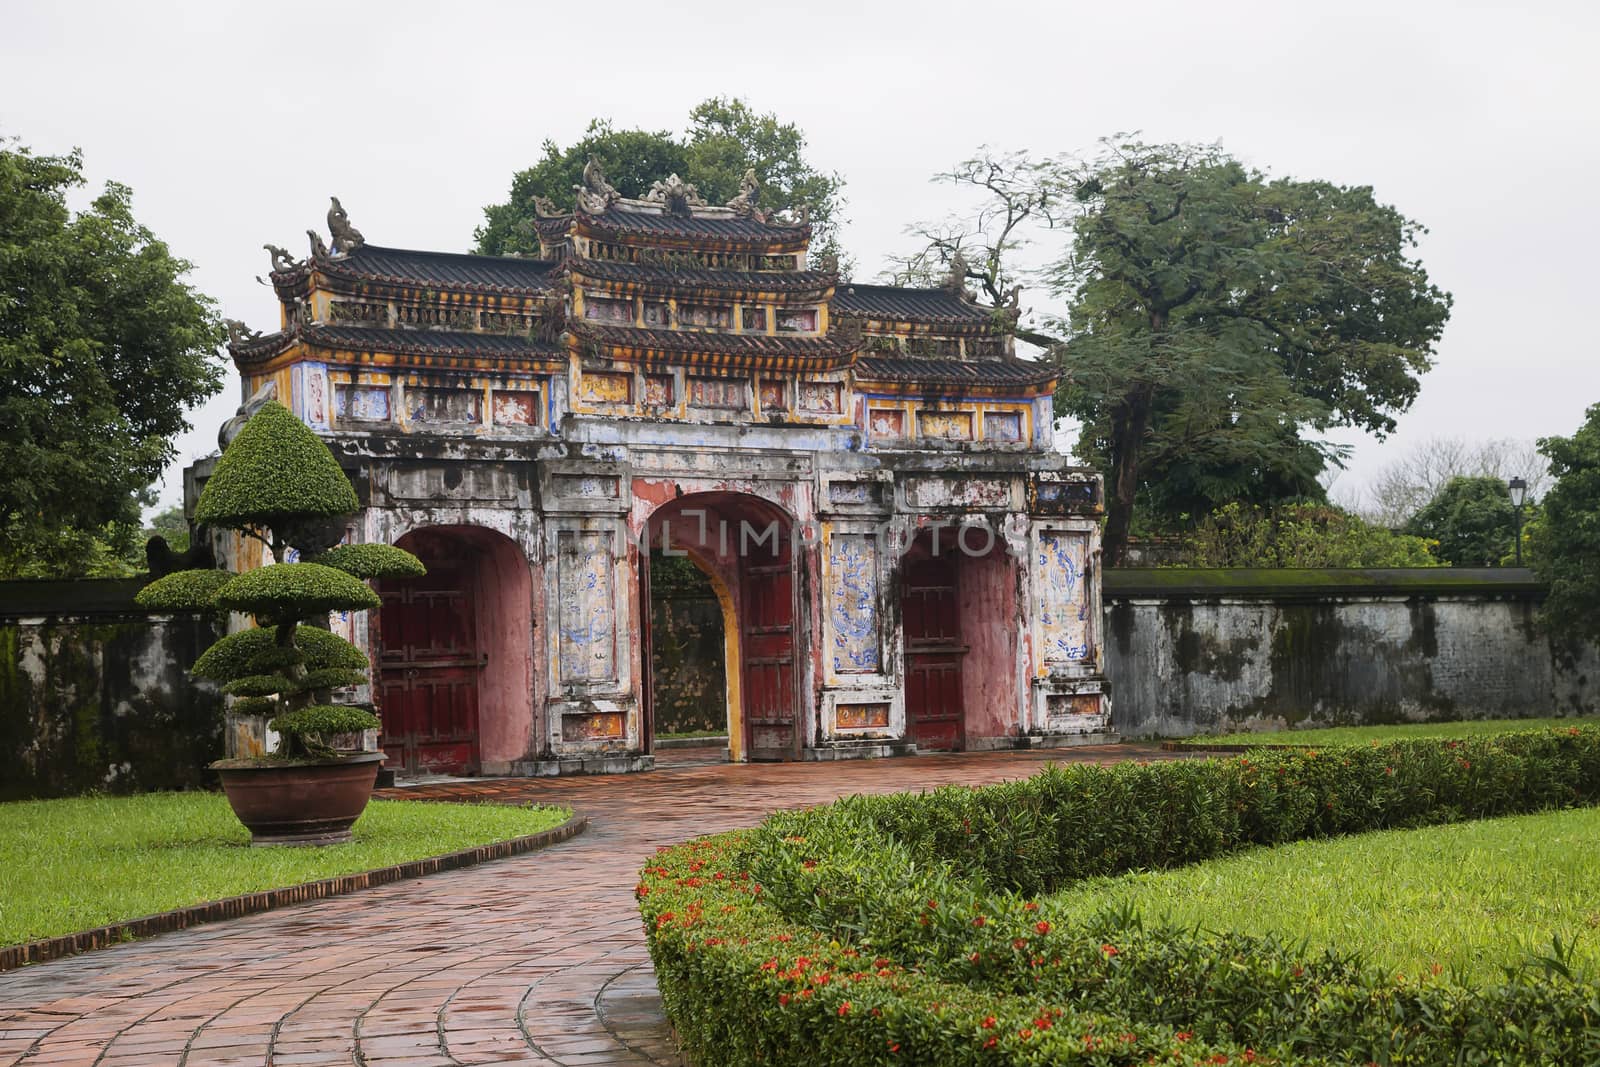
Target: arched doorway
454, 654
958, 611
744, 546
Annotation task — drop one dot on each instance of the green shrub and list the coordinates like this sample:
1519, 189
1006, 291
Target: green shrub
333, 678
275, 471
325, 719
936, 891
1300, 535
301, 589
259, 685
183, 591
256, 651
371, 561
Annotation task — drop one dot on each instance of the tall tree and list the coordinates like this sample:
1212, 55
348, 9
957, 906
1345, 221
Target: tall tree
1406, 484
1566, 540
103, 347
725, 138
1471, 518
1216, 317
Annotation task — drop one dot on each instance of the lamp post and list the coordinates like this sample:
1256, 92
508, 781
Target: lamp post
1519, 494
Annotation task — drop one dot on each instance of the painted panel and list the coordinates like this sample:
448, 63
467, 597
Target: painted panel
718, 392
822, 397
658, 390
657, 315
863, 716
601, 726
853, 602
935, 492
585, 569
945, 425
586, 486
311, 394
795, 320
1004, 426
598, 309
1063, 596
772, 395
605, 388
854, 492
516, 408
705, 315
886, 422
754, 320
361, 403
445, 407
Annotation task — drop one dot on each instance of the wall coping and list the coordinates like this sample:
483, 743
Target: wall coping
73, 598
1182, 583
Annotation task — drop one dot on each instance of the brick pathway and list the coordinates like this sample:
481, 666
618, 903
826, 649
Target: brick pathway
538, 959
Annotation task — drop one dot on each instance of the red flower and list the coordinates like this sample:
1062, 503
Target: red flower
1183, 1035
783, 998
979, 921
1042, 926
933, 905
991, 1043
1025, 1033
1030, 906
844, 1009
988, 1022
1109, 950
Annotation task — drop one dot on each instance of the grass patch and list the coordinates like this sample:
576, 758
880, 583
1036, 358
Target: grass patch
75, 864
692, 733
1469, 898
1365, 735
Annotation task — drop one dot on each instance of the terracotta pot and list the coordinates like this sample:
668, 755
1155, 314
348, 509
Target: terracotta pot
299, 802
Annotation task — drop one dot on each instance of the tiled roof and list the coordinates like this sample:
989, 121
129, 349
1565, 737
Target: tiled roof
651, 224
451, 270
696, 278
761, 348
444, 343
955, 372
911, 305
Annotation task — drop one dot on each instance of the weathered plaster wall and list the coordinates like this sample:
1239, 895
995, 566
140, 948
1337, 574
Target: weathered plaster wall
95, 694
1182, 663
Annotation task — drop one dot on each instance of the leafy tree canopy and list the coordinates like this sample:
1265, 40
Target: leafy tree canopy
1566, 540
103, 348
725, 137
1217, 317
1472, 520
1301, 535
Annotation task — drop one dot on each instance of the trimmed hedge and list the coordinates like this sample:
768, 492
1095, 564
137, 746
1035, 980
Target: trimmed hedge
183, 591
276, 469
325, 719
906, 928
372, 561
300, 590
255, 651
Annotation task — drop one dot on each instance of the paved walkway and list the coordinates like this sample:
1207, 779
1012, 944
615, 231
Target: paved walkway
538, 959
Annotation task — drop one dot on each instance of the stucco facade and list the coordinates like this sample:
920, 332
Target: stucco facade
865, 473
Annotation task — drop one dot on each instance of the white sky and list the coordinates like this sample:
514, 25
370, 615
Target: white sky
233, 123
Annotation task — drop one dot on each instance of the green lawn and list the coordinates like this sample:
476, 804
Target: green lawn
1469, 896
1361, 735
70, 865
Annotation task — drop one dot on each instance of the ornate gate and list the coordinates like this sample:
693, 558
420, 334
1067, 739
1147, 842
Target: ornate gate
428, 672
931, 615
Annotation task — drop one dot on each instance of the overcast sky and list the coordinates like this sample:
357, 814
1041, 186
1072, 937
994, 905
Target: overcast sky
233, 123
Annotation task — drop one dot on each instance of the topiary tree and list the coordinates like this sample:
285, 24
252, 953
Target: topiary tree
278, 483
1471, 518
1566, 539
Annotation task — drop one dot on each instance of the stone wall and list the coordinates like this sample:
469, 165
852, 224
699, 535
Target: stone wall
1207, 651
94, 693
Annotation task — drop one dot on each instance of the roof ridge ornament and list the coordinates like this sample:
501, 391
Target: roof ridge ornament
746, 205
675, 195
282, 261
545, 208
596, 194
346, 238
239, 333
319, 251
955, 281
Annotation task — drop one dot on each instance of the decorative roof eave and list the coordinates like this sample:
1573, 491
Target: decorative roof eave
332, 268
1013, 377
710, 350
613, 226
797, 286
878, 326
426, 292
427, 348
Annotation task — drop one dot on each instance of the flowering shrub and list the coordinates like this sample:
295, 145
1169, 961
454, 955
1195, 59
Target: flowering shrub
905, 928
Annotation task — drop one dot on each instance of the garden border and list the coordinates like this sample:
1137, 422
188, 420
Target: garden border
53, 948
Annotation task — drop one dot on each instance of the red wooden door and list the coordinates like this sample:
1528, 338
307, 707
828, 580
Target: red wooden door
930, 612
767, 651
428, 672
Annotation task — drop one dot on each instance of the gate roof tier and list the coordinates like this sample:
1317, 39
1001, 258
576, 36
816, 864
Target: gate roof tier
370, 269
886, 306
707, 229
989, 377
800, 286
375, 346
711, 352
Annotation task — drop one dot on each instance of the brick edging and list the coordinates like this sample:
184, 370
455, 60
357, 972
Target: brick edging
14, 956
1179, 746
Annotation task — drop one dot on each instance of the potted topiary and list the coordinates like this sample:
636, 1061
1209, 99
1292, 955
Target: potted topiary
277, 483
